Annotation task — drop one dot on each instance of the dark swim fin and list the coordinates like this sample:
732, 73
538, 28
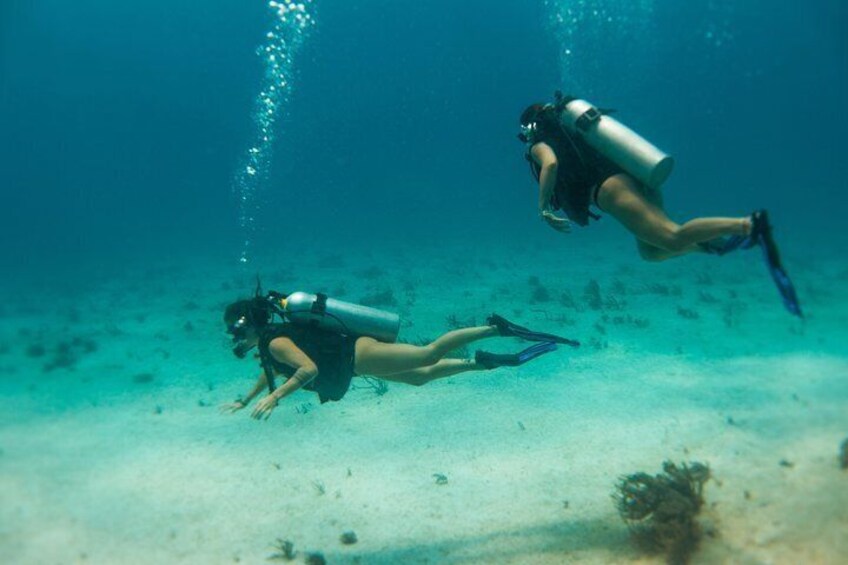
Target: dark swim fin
494, 360
508, 329
761, 231
760, 235
724, 245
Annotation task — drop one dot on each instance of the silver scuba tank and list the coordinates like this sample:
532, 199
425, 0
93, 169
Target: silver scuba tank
342, 317
618, 143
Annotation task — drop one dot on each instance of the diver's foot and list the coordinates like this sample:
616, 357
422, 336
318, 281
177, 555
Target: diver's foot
489, 360
750, 229
759, 225
508, 329
724, 245
505, 327
747, 225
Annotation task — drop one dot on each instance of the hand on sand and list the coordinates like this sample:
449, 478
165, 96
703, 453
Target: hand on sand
232, 407
265, 407
562, 225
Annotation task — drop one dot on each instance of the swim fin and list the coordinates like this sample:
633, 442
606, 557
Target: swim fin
760, 235
508, 329
761, 232
724, 245
494, 360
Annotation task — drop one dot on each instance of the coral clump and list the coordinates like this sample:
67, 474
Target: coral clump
661, 510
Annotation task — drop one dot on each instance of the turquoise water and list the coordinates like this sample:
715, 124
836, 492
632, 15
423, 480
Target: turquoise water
391, 168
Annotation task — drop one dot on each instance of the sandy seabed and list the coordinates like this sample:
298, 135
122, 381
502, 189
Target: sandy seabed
117, 453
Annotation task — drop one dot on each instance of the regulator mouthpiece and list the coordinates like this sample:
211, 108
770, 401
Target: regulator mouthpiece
241, 349
238, 330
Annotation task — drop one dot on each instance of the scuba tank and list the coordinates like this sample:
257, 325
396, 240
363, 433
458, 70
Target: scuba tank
616, 142
329, 314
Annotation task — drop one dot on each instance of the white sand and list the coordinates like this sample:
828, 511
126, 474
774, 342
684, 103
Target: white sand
91, 473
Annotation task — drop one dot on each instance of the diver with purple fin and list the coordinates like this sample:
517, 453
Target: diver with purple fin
319, 344
581, 156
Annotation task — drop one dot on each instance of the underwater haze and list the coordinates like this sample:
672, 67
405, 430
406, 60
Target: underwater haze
157, 158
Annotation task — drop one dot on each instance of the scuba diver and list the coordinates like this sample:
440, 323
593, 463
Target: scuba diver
320, 344
580, 156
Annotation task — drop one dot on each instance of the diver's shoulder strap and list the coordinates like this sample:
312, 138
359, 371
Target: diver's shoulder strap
269, 334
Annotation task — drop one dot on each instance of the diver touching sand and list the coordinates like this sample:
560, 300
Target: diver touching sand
320, 344
581, 156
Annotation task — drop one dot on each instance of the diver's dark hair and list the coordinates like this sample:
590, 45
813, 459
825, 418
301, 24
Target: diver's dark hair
545, 118
256, 311
531, 113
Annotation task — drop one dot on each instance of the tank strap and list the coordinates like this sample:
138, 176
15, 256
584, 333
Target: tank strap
589, 117
320, 304
319, 308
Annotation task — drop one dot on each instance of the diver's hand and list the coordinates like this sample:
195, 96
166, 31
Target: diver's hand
232, 407
562, 225
264, 407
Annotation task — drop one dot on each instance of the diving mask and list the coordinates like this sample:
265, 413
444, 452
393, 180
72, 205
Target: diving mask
528, 132
238, 330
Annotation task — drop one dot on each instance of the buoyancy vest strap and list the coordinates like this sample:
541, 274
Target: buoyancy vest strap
265, 356
268, 369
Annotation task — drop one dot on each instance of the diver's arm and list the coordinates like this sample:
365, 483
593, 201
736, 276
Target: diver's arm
261, 383
285, 351
243, 401
300, 377
547, 161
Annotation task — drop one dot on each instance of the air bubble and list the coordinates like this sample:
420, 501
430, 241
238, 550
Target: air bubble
281, 44
585, 30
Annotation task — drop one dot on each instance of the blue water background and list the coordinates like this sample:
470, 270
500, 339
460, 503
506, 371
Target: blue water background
123, 123
122, 129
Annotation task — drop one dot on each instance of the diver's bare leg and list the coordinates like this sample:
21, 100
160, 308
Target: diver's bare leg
650, 252
621, 197
653, 253
377, 358
442, 369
